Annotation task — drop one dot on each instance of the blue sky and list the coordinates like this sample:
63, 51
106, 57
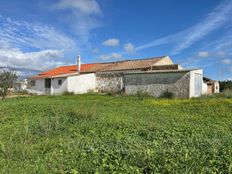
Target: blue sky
39, 35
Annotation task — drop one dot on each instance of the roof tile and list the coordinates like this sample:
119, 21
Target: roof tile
102, 67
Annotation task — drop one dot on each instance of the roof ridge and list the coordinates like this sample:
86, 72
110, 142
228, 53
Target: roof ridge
160, 57
76, 65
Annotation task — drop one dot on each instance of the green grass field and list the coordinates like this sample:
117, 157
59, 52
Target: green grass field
106, 134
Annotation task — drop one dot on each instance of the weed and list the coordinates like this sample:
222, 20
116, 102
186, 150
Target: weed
108, 134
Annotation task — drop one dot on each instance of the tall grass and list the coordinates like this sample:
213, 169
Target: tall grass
107, 134
227, 93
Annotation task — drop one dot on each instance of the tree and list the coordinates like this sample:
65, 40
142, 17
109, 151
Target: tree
7, 80
225, 85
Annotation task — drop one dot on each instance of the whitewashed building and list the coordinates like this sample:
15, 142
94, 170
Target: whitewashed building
152, 76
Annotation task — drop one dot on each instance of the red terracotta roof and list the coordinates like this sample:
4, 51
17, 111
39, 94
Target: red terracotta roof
63, 70
138, 64
125, 65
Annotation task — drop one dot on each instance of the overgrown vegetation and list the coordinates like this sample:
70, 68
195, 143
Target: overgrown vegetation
7, 79
227, 93
106, 134
225, 85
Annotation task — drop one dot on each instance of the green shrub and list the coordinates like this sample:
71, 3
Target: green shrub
227, 93
224, 85
22, 92
167, 94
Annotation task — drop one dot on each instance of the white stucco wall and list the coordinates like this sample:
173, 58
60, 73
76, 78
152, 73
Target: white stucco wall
57, 89
193, 91
38, 88
82, 83
204, 88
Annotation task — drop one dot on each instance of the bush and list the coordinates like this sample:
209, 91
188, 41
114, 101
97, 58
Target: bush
114, 93
227, 93
167, 94
225, 85
23, 92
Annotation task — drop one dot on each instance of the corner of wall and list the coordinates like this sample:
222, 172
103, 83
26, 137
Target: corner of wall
191, 84
67, 86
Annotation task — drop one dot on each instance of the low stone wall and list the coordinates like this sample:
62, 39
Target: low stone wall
155, 84
109, 82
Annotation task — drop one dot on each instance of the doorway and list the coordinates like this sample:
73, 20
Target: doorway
47, 86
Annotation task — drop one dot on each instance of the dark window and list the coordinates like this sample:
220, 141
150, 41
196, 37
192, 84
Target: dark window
32, 82
59, 82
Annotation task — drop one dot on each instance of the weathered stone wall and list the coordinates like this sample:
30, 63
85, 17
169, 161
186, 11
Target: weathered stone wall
155, 84
109, 82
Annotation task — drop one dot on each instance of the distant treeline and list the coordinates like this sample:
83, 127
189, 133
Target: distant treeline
225, 85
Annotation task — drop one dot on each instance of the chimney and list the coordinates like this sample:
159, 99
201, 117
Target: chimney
78, 63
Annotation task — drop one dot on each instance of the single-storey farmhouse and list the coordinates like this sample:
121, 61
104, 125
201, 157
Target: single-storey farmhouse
152, 76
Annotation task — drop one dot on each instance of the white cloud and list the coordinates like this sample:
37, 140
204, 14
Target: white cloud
203, 54
105, 57
222, 45
129, 48
116, 56
184, 39
20, 34
111, 56
111, 42
34, 61
81, 16
85, 6
227, 61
